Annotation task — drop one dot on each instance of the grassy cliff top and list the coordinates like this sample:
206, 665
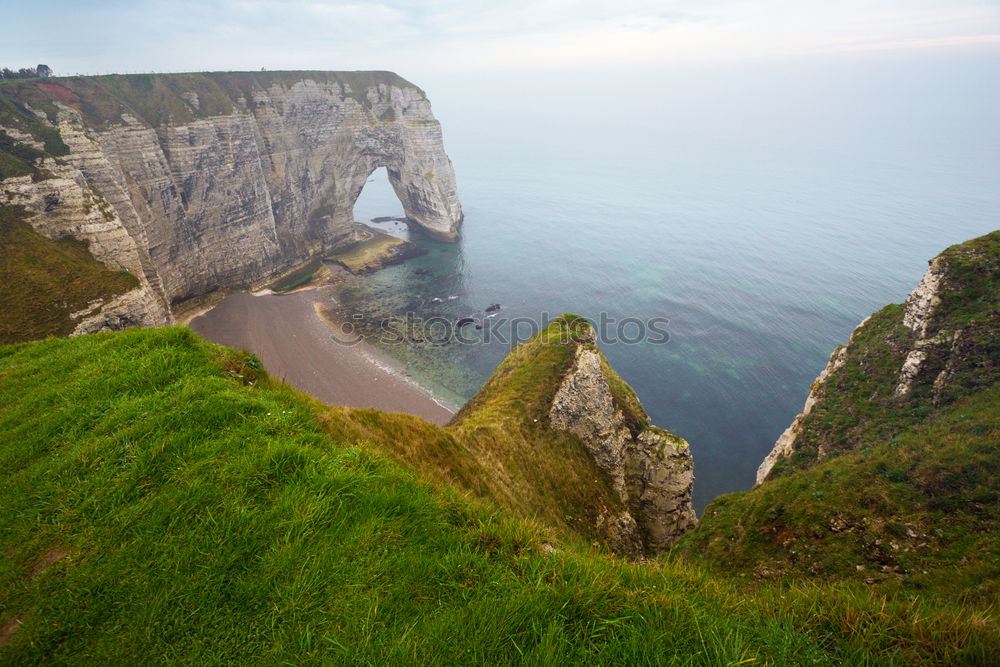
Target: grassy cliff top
523, 385
919, 511
164, 500
155, 98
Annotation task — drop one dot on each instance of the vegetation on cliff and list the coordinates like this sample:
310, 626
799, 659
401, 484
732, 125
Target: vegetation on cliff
164, 500
18, 158
894, 479
158, 98
858, 404
917, 512
43, 282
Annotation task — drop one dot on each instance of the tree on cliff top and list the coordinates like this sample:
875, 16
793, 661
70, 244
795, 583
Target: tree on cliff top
26, 72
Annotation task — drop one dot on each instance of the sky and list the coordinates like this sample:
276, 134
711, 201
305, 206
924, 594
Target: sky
442, 37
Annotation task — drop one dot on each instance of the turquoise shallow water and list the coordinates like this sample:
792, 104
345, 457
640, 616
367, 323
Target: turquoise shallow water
763, 224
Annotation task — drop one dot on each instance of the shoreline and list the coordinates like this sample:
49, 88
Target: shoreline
296, 345
381, 359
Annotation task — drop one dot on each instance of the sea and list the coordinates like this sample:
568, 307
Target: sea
754, 213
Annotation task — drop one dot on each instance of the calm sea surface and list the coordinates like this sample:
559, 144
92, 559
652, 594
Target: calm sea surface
764, 213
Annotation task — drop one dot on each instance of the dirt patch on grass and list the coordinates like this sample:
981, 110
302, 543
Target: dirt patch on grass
61, 93
8, 629
48, 559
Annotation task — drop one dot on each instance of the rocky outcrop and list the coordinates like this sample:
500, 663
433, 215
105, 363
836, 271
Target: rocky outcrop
785, 444
905, 361
131, 309
649, 469
924, 298
920, 306
219, 181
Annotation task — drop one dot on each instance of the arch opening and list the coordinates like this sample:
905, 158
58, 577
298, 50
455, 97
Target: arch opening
379, 206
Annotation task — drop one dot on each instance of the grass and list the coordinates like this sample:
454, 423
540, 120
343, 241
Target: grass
166, 501
523, 385
918, 513
15, 97
18, 159
42, 282
153, 99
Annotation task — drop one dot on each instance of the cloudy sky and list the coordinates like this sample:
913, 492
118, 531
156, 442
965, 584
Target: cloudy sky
455, 36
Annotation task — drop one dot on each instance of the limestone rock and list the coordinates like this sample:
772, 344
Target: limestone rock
924, 298
204, 202
649, 469
785, 444
920, 306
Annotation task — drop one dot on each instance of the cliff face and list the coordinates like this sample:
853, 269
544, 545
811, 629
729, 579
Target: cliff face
904, 362
649, 469
891, 473
66, 205
221, 180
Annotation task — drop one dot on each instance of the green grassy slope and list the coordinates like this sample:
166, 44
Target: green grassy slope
919, 512
42, 281
500, 448
163, 500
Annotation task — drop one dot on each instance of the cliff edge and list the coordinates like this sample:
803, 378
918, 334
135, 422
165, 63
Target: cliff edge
890, 476
587, 429
904, 362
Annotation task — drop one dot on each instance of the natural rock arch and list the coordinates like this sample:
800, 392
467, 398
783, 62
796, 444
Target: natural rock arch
419, 171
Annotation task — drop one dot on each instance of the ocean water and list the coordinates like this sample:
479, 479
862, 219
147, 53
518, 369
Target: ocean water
763, 212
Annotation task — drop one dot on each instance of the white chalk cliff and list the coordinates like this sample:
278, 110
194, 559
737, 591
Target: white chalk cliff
196, 183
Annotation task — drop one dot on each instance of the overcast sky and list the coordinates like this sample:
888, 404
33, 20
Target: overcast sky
459, 36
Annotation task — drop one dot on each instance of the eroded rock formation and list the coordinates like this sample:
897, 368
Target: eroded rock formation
199, 182
649, 469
